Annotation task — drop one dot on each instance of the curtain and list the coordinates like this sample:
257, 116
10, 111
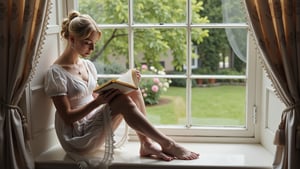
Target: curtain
237, 38
276, 27
23, 24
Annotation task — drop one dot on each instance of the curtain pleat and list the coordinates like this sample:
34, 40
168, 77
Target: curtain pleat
23, 25
275, 25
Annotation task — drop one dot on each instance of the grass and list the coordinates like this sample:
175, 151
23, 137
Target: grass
210, 106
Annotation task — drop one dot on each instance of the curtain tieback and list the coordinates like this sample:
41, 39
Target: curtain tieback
23, 118
291, 107
280, 132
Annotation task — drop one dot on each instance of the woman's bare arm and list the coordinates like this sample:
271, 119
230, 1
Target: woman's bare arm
69, 115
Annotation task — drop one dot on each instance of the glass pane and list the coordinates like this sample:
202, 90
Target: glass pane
223, 51
219, 105
164, 49
105, 11
111, 52
171, 108
159, 11
221, 11
220, 102
156, 52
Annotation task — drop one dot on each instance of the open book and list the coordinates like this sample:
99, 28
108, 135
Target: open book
126, 83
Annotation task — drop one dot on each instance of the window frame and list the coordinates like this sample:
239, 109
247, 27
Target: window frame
190, 133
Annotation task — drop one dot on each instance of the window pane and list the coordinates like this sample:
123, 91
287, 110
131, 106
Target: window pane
221, 102
222, 50
105, 11
219, 105
111, 52
221, 11
159, 11
171, 108
165, 49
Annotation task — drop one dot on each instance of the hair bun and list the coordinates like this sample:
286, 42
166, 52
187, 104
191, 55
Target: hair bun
65, 25
78, 25
73, 15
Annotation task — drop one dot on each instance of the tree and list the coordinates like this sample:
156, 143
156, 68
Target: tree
217, 45
151, 43
211, 47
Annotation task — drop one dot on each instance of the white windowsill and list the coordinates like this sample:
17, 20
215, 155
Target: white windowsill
212, 156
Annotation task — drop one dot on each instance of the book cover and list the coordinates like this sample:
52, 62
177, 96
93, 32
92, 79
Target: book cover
126, 83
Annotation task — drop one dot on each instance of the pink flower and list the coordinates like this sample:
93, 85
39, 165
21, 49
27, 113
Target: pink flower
156, 80
155, 88
144, 67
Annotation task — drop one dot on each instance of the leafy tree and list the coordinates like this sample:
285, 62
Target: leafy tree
211, 47
151, 43
214, 48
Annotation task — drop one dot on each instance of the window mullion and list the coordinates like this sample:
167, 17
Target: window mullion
188, 52
130, 35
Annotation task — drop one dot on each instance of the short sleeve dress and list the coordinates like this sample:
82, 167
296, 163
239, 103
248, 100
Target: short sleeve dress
94, 130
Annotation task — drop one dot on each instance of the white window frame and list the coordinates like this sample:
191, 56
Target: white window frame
200, 134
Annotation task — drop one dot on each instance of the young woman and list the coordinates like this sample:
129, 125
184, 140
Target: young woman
84, 120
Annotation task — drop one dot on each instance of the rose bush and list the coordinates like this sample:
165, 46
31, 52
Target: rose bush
153, 87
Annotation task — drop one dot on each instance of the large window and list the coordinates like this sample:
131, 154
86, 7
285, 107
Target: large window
198, 76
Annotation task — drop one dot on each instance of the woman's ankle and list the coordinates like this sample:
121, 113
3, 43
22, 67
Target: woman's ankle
168, 145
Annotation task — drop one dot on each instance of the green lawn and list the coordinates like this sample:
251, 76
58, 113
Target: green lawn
211, 106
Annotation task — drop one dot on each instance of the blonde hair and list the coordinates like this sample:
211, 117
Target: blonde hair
79, 25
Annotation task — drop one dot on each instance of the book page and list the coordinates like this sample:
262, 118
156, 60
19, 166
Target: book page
129, 77
126, 83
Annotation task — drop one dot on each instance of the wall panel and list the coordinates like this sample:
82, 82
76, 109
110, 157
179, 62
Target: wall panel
39, 107
270, 116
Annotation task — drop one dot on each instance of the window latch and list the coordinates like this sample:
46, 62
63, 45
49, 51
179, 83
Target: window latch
254, 114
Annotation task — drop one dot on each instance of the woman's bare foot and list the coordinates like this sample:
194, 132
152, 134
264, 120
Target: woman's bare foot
152, 150
179, 152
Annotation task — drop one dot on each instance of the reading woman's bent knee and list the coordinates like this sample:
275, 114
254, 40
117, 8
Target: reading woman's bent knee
122, 104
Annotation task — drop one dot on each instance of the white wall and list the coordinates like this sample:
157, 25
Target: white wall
270, 115
41, 110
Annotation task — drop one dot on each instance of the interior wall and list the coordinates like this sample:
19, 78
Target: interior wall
272, 109
41, 110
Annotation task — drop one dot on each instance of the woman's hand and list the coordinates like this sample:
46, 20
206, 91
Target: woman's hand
138, 75
95, 95
107, 96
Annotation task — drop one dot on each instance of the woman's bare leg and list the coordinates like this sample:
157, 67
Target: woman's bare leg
134, 112
148, 147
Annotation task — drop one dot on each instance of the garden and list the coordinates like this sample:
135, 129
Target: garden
222, 105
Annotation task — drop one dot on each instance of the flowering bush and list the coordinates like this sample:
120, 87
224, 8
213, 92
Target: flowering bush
153, 87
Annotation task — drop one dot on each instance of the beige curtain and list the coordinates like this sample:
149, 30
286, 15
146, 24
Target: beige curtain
23, 24
276, 25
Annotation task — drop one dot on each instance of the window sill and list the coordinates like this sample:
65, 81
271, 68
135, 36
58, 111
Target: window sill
212, 156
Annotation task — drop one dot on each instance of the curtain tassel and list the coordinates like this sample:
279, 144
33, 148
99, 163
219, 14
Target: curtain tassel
279, 139
25, 128
298, 138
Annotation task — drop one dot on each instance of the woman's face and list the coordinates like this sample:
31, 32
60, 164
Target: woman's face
86, 46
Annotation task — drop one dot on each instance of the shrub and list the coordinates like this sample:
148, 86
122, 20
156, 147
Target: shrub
180, 82
153, 87
230, 72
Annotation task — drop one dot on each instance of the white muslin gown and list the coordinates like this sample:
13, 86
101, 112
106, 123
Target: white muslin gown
88, 134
